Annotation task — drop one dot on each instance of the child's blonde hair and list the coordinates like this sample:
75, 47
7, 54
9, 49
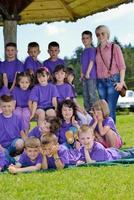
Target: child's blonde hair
103, 106
105, 28
85, 128
32, 142
47, 139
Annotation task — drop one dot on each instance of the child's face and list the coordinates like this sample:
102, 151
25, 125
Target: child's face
32, 153
45, 127
102, 35
97, 113
11, 52
34, 52
86, 139
70, 78
86, 39
53, 52
67, 113
24, 83
47, 149
60, 76
7, 108
43, 78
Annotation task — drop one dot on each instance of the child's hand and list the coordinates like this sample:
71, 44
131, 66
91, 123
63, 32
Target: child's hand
87, 147
75, 123
12, 169
54, 150
79, 162
77, 145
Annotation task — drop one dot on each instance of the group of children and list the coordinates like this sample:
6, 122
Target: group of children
66, 134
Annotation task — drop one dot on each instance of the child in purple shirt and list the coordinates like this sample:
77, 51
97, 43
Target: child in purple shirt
32, 63
11, 65
105, 129
49, 126
11, 129
21, 95
53, 61
31, 159
55, 156
88, 71
64, 89
44, 96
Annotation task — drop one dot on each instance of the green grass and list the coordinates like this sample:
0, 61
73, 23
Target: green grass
81, 183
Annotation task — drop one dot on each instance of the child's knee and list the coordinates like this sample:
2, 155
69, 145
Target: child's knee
51, 113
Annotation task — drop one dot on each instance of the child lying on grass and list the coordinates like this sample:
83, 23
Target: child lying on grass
30, 159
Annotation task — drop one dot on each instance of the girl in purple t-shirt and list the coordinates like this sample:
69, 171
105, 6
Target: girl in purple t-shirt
64, 89
44, 96
105, 129
21, 96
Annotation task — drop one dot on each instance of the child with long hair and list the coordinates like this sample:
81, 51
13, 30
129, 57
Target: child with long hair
21, 95
105, 129
44, 96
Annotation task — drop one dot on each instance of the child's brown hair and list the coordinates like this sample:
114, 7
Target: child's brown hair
47, 139
32, 142
103, 106
85, 128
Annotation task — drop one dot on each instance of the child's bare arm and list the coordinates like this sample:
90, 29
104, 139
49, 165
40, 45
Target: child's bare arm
89, 69
44, 162
5, 80
87, 155
58, 162
102, 129
54, 102
12, 169
34, 108
23, 134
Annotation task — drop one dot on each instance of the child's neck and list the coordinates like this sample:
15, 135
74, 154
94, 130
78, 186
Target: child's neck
60, 82
53, 59
11, 59
88, 46
7, 116
44, 84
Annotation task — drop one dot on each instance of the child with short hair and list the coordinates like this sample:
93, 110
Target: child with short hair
11, 65
53, 61
44, 96
55, 156
32, 63
83, 116
11, 129
21, 95
105, 128
88, 71
64, 89
31, 159
49, 126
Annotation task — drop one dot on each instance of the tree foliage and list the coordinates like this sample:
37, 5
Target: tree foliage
128, 52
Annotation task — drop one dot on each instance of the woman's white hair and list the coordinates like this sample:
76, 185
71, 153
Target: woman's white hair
105, 28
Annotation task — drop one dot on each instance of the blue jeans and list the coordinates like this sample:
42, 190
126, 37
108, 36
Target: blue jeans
107, 91
89, 93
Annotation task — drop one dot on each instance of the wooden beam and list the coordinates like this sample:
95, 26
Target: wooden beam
67, 10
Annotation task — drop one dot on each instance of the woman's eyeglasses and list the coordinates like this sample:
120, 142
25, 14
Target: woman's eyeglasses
99, 34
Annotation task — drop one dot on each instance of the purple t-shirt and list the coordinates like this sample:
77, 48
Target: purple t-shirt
52, 64
61, 132
35, 132
26, 162
88, 55
4, 91
63, 155
30, 63
21, 97
43, 95
65, 90
10, 129
100, 153
11, 67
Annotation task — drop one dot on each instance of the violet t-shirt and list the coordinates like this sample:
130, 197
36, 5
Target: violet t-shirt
35, 132
52, 64
89, 54
11, 67
63, 155
65, 90
10, 129
4, 91
21, 97
43, 95
30, 63
26, 162
100, 153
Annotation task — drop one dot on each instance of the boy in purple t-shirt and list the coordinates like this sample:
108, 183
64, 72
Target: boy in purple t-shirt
88, 71
32, 63
30, 159
53, 61
11, 65
55, 156
11, 130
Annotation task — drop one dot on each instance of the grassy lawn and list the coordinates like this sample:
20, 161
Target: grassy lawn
81, 183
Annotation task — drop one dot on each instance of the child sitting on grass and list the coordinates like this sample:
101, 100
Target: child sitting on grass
49, 126
55, 156
105, 129
30, 159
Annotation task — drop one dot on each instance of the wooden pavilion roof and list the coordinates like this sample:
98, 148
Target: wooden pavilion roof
39, 11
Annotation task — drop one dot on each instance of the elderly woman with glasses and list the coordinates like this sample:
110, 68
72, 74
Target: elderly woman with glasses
110, 69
